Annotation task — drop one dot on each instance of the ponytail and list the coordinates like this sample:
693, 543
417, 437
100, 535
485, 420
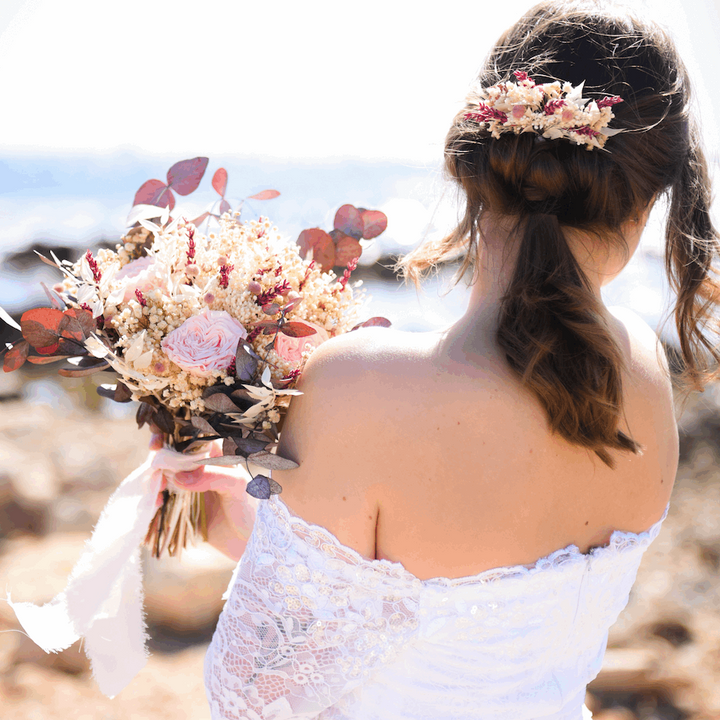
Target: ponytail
554, 337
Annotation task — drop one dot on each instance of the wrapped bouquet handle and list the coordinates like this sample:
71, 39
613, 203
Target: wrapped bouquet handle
103, 600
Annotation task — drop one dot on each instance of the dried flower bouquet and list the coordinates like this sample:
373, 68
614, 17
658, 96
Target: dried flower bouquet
208, 332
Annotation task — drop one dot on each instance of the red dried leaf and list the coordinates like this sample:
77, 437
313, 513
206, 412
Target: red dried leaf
49, 350
71, 329
297, 329
84, 319
15, 357
40, 326
373, 322
264, 195
219, 181
374, 223
347, 249
349, 220
200, 219
154, 192
83, 371
47, 359
184, 176
224, 206
322, 245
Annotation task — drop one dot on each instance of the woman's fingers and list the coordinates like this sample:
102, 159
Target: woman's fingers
159, 499
227, 481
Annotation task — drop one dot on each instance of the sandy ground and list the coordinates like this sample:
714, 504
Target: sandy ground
663, 660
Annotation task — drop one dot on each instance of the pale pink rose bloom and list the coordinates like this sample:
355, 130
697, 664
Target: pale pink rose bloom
291, 348
205, 342
139, 275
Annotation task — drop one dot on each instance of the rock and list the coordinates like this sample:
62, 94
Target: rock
185, 596
626, 669
616, 713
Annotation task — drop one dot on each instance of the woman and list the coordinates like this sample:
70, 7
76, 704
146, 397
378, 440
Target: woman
398, 576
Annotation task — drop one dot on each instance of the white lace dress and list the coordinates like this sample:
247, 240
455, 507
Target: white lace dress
311, 629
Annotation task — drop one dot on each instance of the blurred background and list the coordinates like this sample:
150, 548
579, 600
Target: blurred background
328, 104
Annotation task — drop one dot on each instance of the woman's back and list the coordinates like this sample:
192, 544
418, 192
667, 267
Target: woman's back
453, 462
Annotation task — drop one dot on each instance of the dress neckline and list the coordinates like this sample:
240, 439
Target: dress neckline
619, 539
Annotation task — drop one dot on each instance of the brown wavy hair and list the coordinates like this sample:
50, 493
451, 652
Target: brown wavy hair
551, 325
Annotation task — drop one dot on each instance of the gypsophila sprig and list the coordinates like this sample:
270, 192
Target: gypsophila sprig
551, 110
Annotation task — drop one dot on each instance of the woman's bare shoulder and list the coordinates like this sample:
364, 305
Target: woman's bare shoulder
644, 352
649, 407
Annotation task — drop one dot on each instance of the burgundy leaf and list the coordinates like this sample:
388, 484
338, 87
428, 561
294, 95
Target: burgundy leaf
322, 245
15, 357
184, 177
76, 325
122, 393
292, 304
40, 327
83, 371
85, 320
271, 308
349, 220
219, 181
224, 206
373, 322
163, 421
297, 329
44, 360
144, 414
374, 222
154, 192
200, 219
264, 195
347, 249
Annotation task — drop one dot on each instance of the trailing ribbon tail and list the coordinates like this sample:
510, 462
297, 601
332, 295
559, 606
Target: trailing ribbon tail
103, 600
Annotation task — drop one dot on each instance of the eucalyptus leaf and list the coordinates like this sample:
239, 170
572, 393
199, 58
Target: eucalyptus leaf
262, 487
223, 460
221, 403
246, 360
272, 462
250, 445
229, 446
202, 425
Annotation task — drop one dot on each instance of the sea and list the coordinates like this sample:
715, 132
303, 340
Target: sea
75, 202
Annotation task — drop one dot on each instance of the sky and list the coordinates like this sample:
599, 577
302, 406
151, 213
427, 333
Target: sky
100, 96
310, 81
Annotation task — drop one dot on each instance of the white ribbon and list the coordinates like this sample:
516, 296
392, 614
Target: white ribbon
103, 600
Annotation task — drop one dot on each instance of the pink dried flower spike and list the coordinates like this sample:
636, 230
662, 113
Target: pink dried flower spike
97, 275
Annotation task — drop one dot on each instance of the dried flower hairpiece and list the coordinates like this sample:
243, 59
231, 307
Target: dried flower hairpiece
551, 110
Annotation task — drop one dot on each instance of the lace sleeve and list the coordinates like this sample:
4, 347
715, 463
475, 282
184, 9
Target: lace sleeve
305, 621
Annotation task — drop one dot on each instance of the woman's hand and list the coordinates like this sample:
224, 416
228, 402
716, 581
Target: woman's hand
230, 511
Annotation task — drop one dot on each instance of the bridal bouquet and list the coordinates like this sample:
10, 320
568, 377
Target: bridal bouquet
209, 333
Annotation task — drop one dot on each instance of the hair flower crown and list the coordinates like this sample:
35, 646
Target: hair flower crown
552, 110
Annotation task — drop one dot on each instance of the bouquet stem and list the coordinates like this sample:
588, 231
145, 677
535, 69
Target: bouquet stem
180, 519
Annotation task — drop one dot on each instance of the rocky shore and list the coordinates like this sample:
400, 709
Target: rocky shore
62, 453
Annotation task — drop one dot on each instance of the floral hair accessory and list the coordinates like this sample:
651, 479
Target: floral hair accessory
551, 110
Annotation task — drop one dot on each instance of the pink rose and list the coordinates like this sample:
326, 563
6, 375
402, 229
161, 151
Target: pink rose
139, 275
291, 348
205, 342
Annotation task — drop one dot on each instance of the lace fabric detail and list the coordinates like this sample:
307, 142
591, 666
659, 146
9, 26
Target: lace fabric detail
312, 629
